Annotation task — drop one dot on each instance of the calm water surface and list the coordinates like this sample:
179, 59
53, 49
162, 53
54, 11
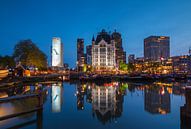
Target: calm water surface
115, 105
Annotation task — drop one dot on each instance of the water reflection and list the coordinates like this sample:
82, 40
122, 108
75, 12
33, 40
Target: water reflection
23, 105
109, 103
57, 97
185, 111
106, 103
80, 96
157, 100
106, 99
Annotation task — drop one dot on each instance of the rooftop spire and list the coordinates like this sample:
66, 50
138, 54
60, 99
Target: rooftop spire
93, 39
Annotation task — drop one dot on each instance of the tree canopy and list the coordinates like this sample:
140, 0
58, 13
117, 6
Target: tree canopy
29, 54
6, 61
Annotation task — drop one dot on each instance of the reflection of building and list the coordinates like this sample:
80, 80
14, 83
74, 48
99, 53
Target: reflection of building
107, 103
103, 52
156, 48
80, 96
157, 100
80, 54
57, 96
186, 111
57, 53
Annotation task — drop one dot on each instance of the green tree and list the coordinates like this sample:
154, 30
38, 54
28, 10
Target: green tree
7, 61
123, 66
29, 54
130, 67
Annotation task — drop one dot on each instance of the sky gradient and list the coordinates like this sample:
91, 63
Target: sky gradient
40, 20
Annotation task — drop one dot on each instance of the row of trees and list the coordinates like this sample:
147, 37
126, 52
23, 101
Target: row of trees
27, 53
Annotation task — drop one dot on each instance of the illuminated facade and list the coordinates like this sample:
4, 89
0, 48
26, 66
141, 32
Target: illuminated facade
156, 48
57, 52
103, 52
181, 64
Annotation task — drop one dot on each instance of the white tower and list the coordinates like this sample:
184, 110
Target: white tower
57, 52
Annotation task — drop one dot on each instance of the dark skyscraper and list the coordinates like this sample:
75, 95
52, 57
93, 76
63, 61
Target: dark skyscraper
80, 52
156, 48
131, 58
89, 54
120, 53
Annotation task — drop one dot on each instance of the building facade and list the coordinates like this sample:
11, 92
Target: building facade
56, 52
131, 58
89, 54
103, 52
181, 64
156, 48
80, 54
119, 52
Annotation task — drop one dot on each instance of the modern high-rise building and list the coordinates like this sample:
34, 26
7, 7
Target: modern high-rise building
57, 52
156, 48
119, 52
80, 53
89, 54
103, 52
131, 58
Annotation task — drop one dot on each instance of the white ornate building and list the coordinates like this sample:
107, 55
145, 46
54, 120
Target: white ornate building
103, 52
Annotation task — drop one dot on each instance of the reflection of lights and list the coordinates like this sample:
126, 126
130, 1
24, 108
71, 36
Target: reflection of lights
163, 84
56, 98
3, 95
27, 88
161, 111
162, 91
169, 90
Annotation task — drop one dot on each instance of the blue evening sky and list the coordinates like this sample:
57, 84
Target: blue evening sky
40, 20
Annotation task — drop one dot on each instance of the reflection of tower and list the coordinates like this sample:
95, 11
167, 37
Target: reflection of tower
157, 100
106, 105
57, 97
186, 111
89, 94
80, 96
